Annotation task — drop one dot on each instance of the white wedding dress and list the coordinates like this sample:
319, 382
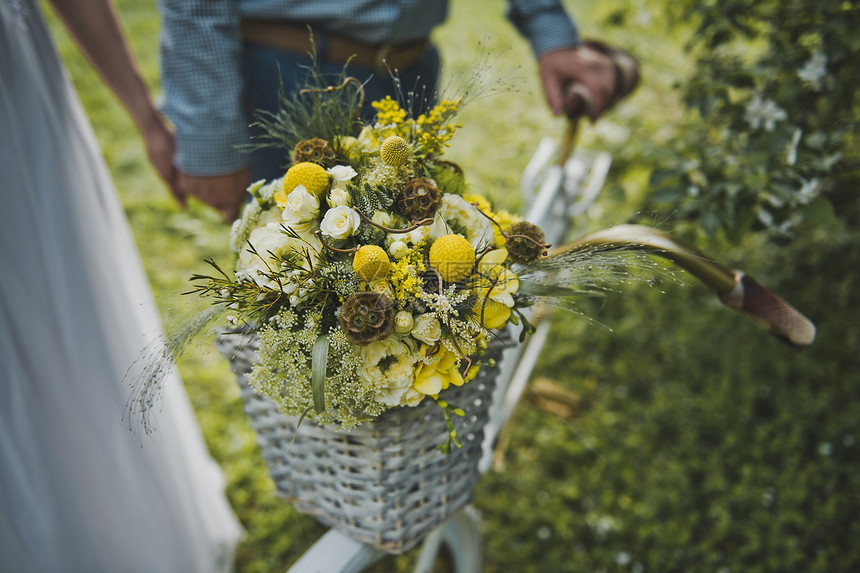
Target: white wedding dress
78, 491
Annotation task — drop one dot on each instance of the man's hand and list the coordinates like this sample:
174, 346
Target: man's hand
224, 193
578, 81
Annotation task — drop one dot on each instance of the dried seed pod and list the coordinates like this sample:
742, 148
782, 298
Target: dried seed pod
314, 150
419, 199
366, 317
525, 242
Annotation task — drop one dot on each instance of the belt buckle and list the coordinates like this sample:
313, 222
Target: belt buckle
379, 63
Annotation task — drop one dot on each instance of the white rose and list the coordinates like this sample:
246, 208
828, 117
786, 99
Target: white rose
403, 322
479, 229
398, 249
382, 287
427, 328
382, 218
340, 222
266, 241
300, 207
341, 175
411, 397
338, 197
270, 241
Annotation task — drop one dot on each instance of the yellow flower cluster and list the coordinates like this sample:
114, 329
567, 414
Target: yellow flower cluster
434, 129
405, 275
430, 132
389, 112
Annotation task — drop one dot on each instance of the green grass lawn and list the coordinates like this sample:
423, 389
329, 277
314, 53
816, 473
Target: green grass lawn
698, 442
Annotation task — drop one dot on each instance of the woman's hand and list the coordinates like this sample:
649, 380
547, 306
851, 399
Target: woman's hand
160, 148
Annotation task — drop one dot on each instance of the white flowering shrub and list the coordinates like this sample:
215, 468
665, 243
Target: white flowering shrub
773, 142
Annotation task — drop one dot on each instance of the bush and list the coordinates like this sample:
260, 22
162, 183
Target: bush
774, 144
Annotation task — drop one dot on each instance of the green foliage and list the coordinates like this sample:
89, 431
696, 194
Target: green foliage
326, 109
772, 143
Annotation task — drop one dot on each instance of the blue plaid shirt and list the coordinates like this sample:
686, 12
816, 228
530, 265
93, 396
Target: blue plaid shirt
201, 52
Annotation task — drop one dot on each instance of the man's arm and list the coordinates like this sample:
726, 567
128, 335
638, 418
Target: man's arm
202, 80
562, 59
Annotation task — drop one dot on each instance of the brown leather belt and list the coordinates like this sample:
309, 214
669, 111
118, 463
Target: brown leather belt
295, 38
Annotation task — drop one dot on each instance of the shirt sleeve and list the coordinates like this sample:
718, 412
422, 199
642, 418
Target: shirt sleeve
544, 23
202, 82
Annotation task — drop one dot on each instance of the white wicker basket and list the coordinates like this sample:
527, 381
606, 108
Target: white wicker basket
383, 483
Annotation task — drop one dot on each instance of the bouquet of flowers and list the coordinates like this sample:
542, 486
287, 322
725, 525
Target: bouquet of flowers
371, 274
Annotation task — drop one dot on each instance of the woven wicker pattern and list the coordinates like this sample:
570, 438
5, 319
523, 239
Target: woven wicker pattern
383, 483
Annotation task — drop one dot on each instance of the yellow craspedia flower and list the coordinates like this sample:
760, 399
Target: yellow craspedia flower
453, 256
395, 151
311, 175
370, 263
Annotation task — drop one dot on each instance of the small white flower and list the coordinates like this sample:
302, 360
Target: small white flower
808, 191
764, 113
791, 152
300, 207
814, 71
267, 191
427, 328
294, 300
340, 222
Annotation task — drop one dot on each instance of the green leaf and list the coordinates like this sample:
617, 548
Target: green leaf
319, 359
820, 211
